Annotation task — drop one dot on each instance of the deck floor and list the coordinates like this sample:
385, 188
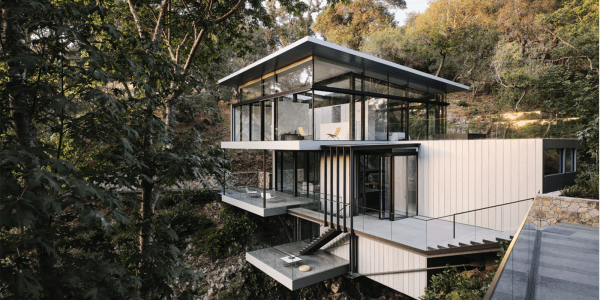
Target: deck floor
323, 264
418, 232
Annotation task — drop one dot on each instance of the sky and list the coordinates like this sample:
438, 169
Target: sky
411, 5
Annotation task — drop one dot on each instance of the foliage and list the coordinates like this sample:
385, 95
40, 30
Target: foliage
348, 24
218, 242
454, 284
193, 197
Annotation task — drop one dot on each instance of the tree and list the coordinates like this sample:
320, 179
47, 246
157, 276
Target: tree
348, 24
441, 24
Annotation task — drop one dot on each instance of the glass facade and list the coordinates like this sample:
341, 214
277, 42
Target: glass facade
299, 170
332, 116
558, 161
294, 117
364, 112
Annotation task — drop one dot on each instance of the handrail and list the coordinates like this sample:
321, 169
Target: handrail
464, 212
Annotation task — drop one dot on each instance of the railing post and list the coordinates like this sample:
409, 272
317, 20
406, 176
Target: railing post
324, 188
337, 174
331, 185
345, 201
264, 179
454, 226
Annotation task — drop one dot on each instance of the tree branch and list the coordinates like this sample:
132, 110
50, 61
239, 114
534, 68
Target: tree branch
231, 12
589, 59
136, 19
159, 22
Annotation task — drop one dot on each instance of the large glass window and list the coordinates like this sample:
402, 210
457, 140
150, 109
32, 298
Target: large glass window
358, 134
437, 121
237, 123
256, 121
287, 172
297, 76
294, 118
553, 161
397, 90
569, 160
268, 120
375, 84
332, 115
418, 121
398, 120
251, 91
270, 86
326, 69
245, 122
376, 119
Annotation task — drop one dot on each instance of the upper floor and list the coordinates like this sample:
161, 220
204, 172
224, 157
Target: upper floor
314, 90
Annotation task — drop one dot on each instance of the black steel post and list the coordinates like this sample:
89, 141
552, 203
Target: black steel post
331, 184
454, 226
337, 174
325, 188
344, 199
264, 179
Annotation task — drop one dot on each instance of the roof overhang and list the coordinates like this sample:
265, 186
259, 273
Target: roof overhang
310, 46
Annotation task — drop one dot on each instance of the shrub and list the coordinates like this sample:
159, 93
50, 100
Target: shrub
462, 103
228, 239
586, 183
193, 197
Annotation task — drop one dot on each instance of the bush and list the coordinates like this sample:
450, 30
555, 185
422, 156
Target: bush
462, 103
227, 240
586, 183
193, 197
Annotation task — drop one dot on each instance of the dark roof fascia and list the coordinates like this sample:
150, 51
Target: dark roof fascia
373, 146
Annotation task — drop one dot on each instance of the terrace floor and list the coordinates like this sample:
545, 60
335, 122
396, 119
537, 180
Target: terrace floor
276, 203
418, 232
323, 265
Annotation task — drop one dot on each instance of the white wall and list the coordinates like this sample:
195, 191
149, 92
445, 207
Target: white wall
374, 256
462, 175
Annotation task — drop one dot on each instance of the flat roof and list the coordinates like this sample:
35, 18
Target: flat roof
310, 46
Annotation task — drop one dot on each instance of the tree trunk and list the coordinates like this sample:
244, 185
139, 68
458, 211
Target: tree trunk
443, 54
145, 235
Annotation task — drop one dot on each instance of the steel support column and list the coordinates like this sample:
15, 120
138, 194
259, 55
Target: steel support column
344, 199
331, 185
337, 187
324, 188
264, 195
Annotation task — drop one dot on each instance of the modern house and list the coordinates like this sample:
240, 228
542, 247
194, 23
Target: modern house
363, 160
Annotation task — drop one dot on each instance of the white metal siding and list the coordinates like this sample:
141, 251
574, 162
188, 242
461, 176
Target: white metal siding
462, 175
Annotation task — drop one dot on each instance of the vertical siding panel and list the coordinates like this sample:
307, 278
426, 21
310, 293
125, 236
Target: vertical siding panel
531, 169
523, 166
492, 185
405, 275
436, 173
515, 181
465, 178
385, 266
425, 182
446, 175
453, 173
430, 185
411, 258
507, 184
485, 175
478, 203
499, 184
472, 180
421, 175
459, 175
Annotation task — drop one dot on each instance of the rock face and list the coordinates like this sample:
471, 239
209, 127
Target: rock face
551, 210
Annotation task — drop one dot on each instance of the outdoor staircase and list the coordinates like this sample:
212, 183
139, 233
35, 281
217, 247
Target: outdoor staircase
321, 241
494, 237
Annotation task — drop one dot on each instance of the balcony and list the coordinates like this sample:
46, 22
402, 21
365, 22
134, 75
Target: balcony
251, 199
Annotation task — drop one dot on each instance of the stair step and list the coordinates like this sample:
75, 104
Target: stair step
487, 241
442, 247
452, 246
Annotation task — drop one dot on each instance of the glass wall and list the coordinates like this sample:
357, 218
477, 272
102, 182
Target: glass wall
553, 161
437, 121
569, 160
251, 91
307, 172
417, 119
245, 122
296, 76
236, 129
358, 108
326, 69
398, 120
269, 117
294, 117
332, 115
376, 119
256, 121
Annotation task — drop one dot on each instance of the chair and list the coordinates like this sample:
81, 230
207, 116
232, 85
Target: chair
268, 195
302, 134
335, 135
250, 192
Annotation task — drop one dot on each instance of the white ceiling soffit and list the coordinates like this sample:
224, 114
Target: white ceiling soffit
311, 46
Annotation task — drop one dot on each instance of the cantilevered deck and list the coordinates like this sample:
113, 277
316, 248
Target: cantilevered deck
277, 203
323, 265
